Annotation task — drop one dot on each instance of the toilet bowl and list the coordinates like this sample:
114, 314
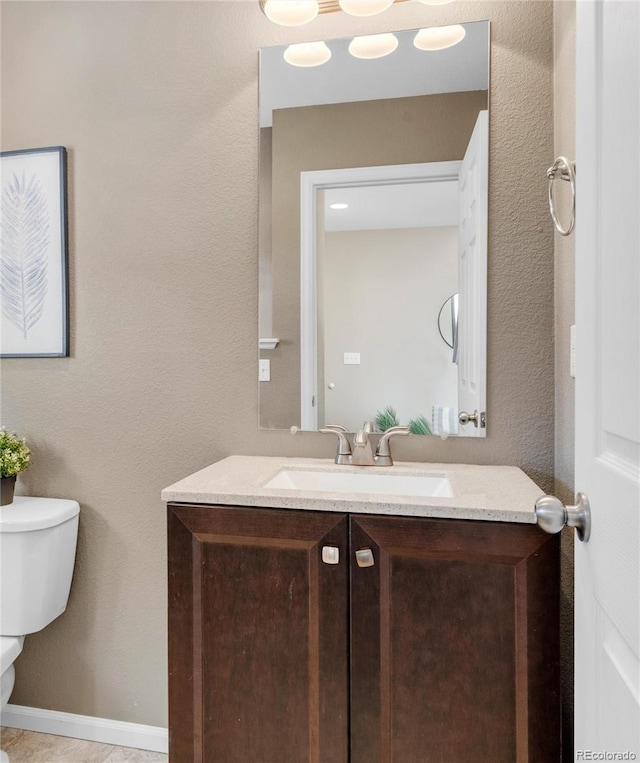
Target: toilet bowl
10, 648
37, 555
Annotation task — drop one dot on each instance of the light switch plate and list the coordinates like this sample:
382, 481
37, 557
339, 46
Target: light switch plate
352, 359
264, 370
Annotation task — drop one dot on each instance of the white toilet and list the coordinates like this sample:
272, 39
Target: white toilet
37, 554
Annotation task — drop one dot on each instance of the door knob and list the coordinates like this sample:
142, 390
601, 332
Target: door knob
364, 557
552, 515
465, 418
474, 418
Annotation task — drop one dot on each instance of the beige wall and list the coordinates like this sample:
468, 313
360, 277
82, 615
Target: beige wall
427, 128
156, 103
564, 144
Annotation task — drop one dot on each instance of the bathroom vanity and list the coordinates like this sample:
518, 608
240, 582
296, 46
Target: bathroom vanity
315, 625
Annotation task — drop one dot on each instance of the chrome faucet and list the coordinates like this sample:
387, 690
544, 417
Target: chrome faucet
383, 451
362, 455
343, 454
359, 452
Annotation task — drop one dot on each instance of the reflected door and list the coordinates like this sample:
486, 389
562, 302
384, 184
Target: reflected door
472, 270
371, 288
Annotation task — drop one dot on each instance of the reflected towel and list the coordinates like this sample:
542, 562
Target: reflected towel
444, 420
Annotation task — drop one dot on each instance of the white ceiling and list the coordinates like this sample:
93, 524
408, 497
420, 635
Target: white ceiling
413, 205
406, 72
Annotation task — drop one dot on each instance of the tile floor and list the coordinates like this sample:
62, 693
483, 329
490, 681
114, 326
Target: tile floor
29, 747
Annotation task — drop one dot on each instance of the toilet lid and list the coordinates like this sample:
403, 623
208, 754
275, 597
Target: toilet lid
10, 648
27, 513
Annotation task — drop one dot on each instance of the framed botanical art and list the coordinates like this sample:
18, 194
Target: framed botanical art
34, 294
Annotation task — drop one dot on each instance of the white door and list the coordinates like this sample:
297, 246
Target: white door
607, 415
472, 278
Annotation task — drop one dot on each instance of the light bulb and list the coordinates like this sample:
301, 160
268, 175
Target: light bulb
307, 54
373, 45
339, 205
439, 38
365, 7
291, 12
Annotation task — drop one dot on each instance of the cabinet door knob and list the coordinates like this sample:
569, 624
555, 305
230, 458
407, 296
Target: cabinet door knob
330, 554
364, 557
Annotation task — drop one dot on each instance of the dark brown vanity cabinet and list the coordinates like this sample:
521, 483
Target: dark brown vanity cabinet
442, 647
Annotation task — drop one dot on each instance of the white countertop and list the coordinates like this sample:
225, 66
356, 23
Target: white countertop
490, 493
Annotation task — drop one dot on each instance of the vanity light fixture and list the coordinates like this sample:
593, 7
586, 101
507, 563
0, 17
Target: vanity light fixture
365, 7
298, 12
439, 38
307, 54
338, 206
373, 45
290, 12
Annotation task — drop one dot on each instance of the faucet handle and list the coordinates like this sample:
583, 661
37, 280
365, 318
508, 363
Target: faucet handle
383, 451
344, 449
335, 428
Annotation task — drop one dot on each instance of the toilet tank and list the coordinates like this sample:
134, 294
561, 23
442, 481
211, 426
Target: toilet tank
37, 554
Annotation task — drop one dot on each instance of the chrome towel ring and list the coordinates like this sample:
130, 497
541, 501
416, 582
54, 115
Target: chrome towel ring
567, 172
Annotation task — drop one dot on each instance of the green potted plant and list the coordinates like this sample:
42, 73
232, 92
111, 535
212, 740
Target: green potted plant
420, 425
386, 418
14, 458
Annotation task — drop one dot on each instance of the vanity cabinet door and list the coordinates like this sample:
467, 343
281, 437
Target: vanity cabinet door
454, 642
258, 636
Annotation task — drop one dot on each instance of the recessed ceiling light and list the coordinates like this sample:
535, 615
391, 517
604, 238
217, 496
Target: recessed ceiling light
373, 45
365, 7
291, 12
307, 54
338, 206
439, 37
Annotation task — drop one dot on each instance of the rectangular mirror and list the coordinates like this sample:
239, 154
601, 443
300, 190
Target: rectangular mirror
373, 236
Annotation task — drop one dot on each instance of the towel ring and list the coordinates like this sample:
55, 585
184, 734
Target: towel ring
567, 172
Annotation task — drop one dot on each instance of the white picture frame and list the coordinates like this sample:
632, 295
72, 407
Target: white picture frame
34, 289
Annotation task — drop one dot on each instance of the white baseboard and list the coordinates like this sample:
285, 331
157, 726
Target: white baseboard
104, 730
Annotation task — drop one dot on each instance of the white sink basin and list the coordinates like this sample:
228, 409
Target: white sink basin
371, 483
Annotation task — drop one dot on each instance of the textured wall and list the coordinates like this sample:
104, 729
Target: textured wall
156, 103
564, 144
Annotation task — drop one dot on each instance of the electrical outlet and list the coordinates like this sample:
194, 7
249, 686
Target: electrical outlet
264, 370
352, 359
572, 352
